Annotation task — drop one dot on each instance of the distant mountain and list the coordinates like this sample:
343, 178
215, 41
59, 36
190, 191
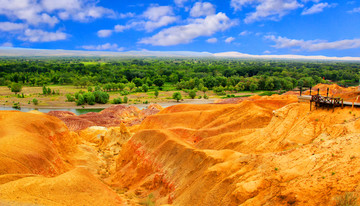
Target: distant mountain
9, 51
289, 56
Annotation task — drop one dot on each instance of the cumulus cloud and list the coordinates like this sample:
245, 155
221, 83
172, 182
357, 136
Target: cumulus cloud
37, 35
158, 16
9, 26
36, 12
126, 15
317, 8
153, 18
244, 33
314, 45
266, 9
180, 3
202, 9
229, 39
26, 10
186, 33
104, 47
104, 33
212, 40
7, 44
355, 10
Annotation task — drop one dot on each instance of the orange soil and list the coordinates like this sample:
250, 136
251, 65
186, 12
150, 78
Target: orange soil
41, 162
262, 151
348, 94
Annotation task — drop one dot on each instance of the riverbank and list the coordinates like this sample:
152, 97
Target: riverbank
104, 106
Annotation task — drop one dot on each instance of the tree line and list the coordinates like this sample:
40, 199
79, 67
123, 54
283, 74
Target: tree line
138, 74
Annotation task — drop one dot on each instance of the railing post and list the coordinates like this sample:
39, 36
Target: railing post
318, 91
300, 91
327, 93
310, 91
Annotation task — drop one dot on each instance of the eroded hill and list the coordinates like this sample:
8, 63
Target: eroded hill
261, 151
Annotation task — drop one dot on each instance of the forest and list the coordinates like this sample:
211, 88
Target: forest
217, 74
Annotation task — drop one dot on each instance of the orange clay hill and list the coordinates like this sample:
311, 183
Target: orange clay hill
260, 151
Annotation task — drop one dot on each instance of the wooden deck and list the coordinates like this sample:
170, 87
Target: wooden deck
307, 98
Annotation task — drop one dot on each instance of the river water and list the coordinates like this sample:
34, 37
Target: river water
46, 110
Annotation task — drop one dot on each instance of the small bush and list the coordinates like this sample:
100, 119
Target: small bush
80, 100
16, 105
126, 99
70, 98
347, 199
117, 101
35, 101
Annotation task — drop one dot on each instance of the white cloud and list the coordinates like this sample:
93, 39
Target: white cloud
157, 16
9, 26
180, 3
37, 12
244, 33
51, 5
126, 15
314, 45
26, 10
104, 33
267, 52
306, 1
37, 35
163, 21
355, 10
154, 13
317, 8
186, 33
7, 44
202, 9
266, 9
119, 28
229, 39
153, 18
212, 40
102, 47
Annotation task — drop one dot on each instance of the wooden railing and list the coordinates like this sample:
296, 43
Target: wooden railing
326, 102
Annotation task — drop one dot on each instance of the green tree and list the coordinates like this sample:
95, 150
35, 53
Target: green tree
125, 99
121, 86
16, 87
35, 101
145, 87
156, 93
159, 82
131, 85
192, 94
44, 90
177, 96
253, 86
80, 100
204, 89
89, 98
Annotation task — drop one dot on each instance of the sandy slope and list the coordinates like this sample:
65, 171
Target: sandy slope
261, 151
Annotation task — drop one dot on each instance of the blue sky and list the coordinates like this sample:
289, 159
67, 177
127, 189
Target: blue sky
300, 27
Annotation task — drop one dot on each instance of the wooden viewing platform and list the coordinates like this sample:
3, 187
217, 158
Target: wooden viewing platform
326, 102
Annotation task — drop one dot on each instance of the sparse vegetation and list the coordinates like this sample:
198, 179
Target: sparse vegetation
347, 199
16, 105
149, 200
